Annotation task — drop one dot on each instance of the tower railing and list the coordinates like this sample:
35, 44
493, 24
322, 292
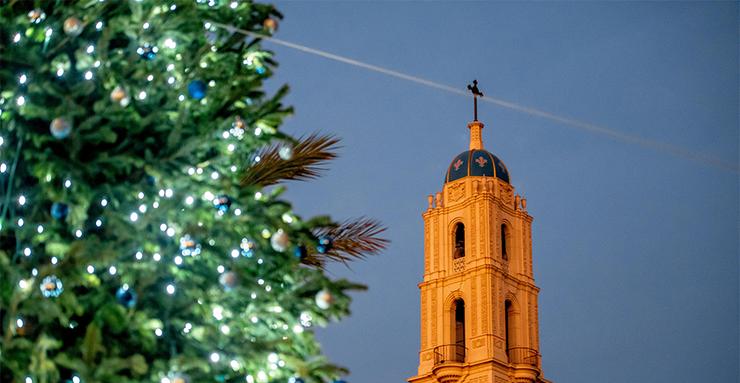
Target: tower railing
449, 353
524, 355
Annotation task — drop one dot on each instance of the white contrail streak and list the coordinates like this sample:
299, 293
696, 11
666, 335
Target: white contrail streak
567, 121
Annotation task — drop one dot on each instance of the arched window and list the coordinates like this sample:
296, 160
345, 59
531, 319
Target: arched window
504, 244
509, 326
459, 242
459, 331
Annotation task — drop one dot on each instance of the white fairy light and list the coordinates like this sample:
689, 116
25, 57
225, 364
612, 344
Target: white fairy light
22, 79
21, 101
208, 196
142, 208
257, 195
231, 147
88, 75
170, 80
181, 97
103, 202
20, 222
54, 260
60, 72
214, 175
233, 5
163, 227
170, 232
225, 329
19, 322
27, 252
67, 183
158, 332
34, 271
90, 48
260, 281
233, 168
234, 363
16, 38
168, 193
169, 43
170, 289
23, 284
133, 217
142, 95
140, 195
237, 211
189, 200
112, 270
218, 313
234, 253
297, 329
99, 25
39, 229
146, 25
170, 67
199, 171
178, 260
215, 357
225, 134
220, 269
3, 167
90, 269
96, 64
156, 257
139, 255
21, 200
155, 204
191, 171
78, 233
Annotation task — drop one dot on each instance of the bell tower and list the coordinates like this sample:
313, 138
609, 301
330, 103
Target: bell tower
478, 298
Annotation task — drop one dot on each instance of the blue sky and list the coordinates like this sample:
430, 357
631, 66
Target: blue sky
635, 250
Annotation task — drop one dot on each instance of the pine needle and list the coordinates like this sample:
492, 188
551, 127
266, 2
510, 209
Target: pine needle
303, 165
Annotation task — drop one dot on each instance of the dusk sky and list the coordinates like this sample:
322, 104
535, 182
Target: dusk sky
635, 249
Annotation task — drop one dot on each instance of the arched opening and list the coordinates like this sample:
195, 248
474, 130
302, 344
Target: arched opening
459, 241
504, 244
459, 331
509, 327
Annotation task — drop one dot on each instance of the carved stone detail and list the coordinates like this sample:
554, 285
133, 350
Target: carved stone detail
456, 192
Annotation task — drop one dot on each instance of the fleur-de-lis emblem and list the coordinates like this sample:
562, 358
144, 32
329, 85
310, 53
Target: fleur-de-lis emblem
481, 161
457, 164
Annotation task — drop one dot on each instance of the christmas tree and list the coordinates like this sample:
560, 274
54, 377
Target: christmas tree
143, 237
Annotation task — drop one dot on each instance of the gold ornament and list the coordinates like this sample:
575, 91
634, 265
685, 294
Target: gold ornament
270, 24
120, 96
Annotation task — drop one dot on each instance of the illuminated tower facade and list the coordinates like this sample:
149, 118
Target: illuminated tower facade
478, 299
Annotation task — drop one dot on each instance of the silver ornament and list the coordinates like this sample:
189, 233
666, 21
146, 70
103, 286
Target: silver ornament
324, 299
280, 241
286, 152
72, 26
60, 127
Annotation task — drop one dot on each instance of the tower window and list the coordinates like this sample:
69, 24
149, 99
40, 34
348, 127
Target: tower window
459, 341
508, 325
459, 251
504, 244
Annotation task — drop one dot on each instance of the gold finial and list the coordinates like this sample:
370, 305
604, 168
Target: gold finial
476, 93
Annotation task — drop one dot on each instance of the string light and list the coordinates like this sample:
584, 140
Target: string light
170, 289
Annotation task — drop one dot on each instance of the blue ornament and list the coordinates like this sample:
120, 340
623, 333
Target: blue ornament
325, 244
60, 128
51, 286
59, 210
260, 70
126, 297
247, 247
147, 52
300, 252
188, 246
197, 89
222, 203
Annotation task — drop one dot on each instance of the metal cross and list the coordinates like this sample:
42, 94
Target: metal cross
476, 93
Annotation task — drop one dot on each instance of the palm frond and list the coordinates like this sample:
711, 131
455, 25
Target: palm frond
353, 239
304, 164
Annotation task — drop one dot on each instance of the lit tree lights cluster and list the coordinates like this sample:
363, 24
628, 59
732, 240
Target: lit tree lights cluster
133, 245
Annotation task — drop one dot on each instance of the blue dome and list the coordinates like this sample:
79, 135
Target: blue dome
477, 163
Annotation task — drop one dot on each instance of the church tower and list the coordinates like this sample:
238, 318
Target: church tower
478, 298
